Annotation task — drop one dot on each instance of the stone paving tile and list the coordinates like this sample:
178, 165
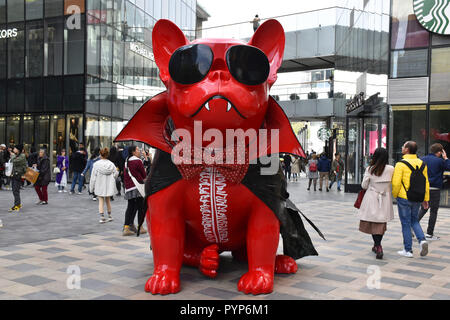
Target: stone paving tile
109, 297
33, 280
94, 284
426, 266
16, 257
44, 295
24, 267
53, 250
336, 277
64, 259
218, 293
383, 293
413, 273
114, 262
313, 287
440, 296
400, 282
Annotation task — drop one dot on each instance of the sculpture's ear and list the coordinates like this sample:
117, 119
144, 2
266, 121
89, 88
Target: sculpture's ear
166, 38
269, 37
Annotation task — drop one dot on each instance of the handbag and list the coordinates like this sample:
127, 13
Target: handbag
139, 186
8, 168
31, 175
360, 198
56, 170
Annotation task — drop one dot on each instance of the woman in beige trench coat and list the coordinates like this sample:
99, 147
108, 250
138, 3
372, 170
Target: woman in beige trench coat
376, 207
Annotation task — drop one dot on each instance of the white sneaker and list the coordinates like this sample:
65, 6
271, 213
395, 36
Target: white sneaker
64, 190
432, 238
103, 220
39, 202
79, 193
60, 191
94, 199
1, 223
405, 253
110, 219
423, 248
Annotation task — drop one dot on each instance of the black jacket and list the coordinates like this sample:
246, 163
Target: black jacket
78, 162
43, 165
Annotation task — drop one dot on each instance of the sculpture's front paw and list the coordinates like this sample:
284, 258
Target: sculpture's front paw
256, 282
285, 264
209, 261
163, 282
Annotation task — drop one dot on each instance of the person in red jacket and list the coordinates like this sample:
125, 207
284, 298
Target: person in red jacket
134, 166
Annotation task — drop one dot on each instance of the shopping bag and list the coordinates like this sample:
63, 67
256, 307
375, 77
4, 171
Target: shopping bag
31, 175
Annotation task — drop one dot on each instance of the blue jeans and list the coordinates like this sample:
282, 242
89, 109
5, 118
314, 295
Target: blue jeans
409, 217
77, 177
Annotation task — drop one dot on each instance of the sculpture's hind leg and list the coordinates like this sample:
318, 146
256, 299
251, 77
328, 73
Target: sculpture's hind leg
285, 264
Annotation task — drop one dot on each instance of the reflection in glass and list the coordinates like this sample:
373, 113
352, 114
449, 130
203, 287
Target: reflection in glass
16, 10
34, 49
408, 124
406, 31
2, 11
57, 137
42, 132
409, 63
75, 124
53, 8
105, 132
92, 134
54, 56
34, 9
13, 129
440, 126
74, 49
16, 53
440, 75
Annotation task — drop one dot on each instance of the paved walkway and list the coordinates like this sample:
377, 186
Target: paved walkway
41, 246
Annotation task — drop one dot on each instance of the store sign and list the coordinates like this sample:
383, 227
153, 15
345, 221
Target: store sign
8, 33
324, 134
355, 103
139, 49
433, 15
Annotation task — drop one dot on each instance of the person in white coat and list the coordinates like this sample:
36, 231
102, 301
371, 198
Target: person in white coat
376, 207
103, 183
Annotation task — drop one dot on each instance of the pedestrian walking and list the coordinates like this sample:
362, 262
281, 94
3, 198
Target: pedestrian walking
376, 207
337, 171
43, 180
103, 183
95, 156
411, 187
62, 163
19, 163
135, 168
313, 174
437, 162
295, 168
255, 22
287, 166
77, 164
324, 167
116, 158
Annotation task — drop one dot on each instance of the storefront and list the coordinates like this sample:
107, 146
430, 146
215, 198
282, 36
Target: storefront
367, 126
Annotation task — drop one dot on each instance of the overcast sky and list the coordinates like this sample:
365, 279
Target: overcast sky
231, 11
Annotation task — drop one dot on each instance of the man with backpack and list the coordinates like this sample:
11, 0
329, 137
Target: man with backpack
411, 188
437, 162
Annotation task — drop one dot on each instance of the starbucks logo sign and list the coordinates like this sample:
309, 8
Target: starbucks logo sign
433, 15
324, 134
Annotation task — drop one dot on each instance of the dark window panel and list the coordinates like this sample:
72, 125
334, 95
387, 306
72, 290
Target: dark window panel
74, 49
34, 9
2, 11
16, 52
2, 97
16, 96
34, 100
16, 10
440, 125
438, 39
13, 130
105, 98
93, 49
410, 63
55, 37
92, 95
53, 88
34, 49
73, 93
54, 8
106, 60
3, 55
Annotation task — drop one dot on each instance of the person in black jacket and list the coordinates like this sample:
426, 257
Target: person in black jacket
43, 180
77, 164
115, 157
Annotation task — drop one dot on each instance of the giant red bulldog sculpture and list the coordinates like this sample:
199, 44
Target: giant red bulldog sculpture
195, 212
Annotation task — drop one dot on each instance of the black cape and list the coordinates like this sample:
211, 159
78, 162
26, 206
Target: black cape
271, 189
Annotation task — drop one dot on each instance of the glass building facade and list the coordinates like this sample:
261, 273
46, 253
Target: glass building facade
419, 82
75, 71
